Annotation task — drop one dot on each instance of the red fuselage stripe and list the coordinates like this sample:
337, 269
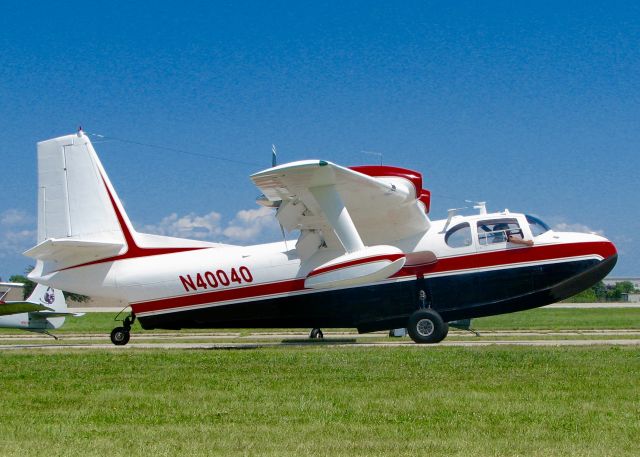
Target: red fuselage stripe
507, 257
445, 265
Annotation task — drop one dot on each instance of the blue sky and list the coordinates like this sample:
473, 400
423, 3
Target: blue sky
532, 107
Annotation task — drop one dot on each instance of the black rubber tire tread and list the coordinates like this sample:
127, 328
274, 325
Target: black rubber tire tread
120, 336
441, 328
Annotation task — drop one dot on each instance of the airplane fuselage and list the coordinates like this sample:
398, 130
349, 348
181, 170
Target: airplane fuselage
367, 256
263, 286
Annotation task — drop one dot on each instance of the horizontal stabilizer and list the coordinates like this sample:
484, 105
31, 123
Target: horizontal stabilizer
44, 302
20, 307
65, 250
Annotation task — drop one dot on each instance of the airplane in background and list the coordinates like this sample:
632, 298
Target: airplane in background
44, 310
368, 255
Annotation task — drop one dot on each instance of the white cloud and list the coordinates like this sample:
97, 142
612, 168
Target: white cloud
15, 242
14, 217
206, 227
249, 225
566, 227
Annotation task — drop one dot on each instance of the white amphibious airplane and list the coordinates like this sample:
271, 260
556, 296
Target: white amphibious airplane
368, 255
44, 310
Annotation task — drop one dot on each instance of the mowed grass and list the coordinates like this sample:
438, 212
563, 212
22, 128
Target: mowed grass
535, 319
433, 401
563, 319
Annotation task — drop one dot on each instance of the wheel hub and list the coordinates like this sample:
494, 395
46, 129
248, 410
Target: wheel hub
425, 327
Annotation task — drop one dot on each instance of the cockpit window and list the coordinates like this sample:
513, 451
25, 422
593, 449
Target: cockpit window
498, 231
537, 226
459, 236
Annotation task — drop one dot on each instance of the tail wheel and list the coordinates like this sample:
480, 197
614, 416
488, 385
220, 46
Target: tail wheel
120, 336
426, 326
316, 333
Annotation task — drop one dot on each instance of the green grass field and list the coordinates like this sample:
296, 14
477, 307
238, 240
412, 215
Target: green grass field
319, 399
322, 401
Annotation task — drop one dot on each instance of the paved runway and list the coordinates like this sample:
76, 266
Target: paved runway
230, 346
212, 341
303, 336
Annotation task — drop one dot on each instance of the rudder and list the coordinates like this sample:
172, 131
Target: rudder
73, 199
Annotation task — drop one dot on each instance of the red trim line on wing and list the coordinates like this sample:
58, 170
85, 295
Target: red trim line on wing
493, 259
133, 250
364, 260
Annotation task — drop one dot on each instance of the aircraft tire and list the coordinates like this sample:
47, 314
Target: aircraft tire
426, 326
120, 336
316, 333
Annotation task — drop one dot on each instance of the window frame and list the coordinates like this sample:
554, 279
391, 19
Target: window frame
455, 229
485, 242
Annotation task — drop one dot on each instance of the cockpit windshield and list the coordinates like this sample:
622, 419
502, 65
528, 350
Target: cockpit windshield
537, 226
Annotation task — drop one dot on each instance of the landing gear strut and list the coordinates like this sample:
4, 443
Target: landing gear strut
121, 335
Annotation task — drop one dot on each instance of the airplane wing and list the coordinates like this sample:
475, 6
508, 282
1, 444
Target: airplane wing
46, 314
17, 307
316, 197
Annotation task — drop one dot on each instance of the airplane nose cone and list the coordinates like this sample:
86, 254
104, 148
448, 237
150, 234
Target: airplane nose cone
606, 249
603, 255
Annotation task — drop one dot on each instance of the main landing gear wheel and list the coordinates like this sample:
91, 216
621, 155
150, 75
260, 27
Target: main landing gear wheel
316, 333
120, 336
426, 326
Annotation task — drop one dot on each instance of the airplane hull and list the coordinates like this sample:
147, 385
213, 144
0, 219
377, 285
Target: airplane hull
388, 304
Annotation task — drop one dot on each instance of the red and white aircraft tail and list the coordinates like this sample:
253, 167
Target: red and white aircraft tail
45, 309
76, 218
81, 220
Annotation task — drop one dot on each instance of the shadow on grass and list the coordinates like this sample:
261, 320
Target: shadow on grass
321, 342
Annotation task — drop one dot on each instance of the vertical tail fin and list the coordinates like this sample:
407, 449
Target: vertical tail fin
57, 311
49, 297
75, 197
80, 218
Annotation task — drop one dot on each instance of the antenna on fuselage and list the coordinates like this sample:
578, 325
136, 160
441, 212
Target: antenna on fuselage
481, 206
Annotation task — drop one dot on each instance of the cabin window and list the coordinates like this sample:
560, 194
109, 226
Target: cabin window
459, 236
498, 231
537, 226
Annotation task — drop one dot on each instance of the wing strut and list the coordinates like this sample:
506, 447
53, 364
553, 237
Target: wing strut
338, 216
